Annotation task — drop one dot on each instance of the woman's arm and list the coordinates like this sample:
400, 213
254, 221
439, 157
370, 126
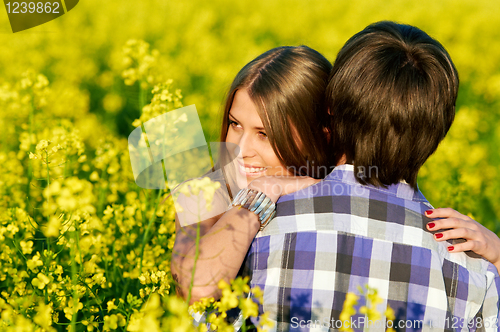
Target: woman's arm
480, 240
220, 255
224, 246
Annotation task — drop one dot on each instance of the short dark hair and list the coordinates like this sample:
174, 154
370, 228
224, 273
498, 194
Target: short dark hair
391, 96
287, 84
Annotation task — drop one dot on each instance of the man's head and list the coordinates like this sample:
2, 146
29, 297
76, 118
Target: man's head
391, 95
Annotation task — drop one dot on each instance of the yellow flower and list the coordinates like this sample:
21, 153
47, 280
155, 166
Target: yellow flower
34, 262
258, 294
138, 63
69, 311
40, 281
372, 295
372, 299
43, 316
111, 305
26, 247
348, 311
249, 308
43, 145
222, 284
112, 322
389, 313
201, 305
264, 322
372, 313
194, 186
53, 227
240, 286
90, 323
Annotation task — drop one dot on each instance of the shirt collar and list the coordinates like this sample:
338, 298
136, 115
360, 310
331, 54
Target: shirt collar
345, 173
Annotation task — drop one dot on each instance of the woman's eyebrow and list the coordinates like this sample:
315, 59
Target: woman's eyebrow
232, 116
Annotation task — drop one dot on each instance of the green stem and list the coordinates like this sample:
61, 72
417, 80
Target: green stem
142, 97
65, 164
93, 293
146, 233
30, 165
78, 247
74, 277
48, 193
125, 289
114, 262
102, 192
196, 255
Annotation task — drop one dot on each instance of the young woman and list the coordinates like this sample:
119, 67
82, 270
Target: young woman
275, 113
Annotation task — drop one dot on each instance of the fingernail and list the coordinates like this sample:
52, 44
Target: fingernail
450, 248
428, 212
431, 225
438, 235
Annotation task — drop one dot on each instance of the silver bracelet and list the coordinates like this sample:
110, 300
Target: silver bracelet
256, 202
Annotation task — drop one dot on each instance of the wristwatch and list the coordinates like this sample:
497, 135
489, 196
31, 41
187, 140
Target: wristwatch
256, 202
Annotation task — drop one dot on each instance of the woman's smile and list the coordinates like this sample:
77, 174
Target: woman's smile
248, 170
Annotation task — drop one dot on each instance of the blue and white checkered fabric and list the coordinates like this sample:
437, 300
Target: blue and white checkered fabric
337, 235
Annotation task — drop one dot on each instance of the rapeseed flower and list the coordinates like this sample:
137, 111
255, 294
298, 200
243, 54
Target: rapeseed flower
348, 311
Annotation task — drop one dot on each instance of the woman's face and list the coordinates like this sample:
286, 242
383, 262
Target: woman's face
256, 157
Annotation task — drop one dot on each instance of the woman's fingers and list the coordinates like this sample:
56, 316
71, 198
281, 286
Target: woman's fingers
459, 233
475, 241
455, 225
465, 246
451, 222
445, 213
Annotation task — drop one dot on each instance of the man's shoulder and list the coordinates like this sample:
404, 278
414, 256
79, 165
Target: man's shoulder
340, 192
342, 181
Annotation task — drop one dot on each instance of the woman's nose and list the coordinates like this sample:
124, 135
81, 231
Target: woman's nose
246, 146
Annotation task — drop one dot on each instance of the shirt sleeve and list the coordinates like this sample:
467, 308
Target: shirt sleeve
491, 305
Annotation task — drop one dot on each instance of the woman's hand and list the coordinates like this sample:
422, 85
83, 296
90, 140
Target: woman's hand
478, 238
276, 186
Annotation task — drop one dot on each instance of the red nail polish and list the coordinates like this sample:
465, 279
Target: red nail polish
431, 225
439, 235
428, 212
450, 248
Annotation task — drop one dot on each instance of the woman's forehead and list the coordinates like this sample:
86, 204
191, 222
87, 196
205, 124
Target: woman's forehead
245, 111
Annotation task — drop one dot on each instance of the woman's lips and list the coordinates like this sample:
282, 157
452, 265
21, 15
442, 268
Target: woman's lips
248, 170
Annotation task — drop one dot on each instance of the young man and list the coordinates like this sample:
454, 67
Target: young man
392, 98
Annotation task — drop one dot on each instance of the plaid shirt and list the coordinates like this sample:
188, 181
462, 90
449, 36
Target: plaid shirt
330, 238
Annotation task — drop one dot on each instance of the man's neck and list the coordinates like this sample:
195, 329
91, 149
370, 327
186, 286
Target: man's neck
342, 161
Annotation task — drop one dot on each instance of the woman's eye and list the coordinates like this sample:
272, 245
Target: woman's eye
234, 124
262, 135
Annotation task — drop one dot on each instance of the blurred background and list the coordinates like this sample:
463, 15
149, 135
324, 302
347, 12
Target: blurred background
201, 45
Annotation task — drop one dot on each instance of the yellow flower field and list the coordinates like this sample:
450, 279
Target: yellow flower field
82, 247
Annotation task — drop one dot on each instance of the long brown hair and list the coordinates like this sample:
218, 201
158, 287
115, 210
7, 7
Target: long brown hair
287, 84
